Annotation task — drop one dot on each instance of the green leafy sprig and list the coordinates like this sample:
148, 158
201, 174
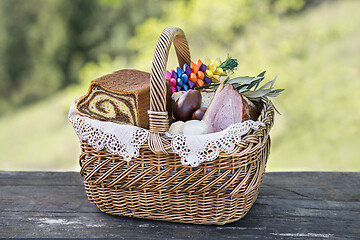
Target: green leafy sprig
249, 87
229, 64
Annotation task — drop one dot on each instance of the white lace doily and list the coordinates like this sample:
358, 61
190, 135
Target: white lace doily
195, 149
126, 140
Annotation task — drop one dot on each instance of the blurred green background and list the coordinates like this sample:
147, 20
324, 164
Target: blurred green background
50, 50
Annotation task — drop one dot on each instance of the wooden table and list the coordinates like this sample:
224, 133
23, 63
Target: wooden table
291, 205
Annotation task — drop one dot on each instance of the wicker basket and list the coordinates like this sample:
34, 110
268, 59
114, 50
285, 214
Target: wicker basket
156, 185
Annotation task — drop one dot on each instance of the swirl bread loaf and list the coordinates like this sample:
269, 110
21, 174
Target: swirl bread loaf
122, 97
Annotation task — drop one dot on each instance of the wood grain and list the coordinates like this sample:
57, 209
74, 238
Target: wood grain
296, 205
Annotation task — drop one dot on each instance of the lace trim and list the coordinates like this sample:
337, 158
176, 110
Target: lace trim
99, 139
224, 141
126, 140
118, 139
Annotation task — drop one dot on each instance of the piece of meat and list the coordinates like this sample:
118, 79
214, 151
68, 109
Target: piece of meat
253, 110
226, 108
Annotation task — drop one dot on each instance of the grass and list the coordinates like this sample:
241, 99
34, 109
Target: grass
316, 54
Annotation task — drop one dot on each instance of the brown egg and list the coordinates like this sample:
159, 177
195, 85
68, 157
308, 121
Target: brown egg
186, 105
199, 113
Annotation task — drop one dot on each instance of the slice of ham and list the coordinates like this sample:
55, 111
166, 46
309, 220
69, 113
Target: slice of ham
226, 108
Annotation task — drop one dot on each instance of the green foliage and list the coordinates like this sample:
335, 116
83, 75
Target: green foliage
248, 86
209, 26
44, 44
229, 64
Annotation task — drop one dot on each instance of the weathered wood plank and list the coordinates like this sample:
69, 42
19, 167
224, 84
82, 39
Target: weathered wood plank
299, 205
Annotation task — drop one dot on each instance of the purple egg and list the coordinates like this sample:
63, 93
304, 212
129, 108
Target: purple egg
178, 88
203, 67
188, 70
207, 80
174, 74
191, 84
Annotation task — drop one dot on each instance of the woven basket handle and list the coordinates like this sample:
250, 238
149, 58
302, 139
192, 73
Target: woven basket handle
158, 116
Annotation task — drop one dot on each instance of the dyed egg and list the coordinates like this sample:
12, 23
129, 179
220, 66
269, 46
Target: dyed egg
199, 113
177, 127
184, 78
186, 105
172, 82
179, 82
195, 127
191, 84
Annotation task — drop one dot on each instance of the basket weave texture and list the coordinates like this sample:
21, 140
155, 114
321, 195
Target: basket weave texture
156, 185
